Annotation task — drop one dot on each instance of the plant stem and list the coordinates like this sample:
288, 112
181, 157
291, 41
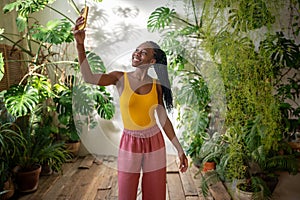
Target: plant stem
74, 6
19, 46
61, 13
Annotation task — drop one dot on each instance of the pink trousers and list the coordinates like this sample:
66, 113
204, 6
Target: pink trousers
142, 151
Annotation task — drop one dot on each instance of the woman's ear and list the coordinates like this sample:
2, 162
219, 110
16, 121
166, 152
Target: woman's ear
153, 61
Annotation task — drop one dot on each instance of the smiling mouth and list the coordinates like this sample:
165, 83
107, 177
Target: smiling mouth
136, 59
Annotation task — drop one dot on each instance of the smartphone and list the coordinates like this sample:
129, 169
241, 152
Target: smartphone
84, 14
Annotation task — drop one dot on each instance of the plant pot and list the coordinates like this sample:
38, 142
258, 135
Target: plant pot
27, 181
10, 188
209, 166
46, 170
246, 195
73, 148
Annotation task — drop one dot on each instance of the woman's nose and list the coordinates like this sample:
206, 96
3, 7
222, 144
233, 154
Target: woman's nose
137, 53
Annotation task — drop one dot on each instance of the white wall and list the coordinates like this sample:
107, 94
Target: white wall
113, 34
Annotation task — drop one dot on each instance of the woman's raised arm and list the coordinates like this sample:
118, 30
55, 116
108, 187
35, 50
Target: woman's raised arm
88, 75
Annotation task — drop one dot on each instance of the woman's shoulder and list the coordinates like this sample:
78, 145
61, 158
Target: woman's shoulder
117, 74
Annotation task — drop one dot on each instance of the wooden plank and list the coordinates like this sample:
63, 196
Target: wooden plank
192, 198
93, 188
172, 166
219, 192
87, 162
174, 187
58, 187
188, 184
106, 185
114, 190
71, 186
216, 188
45, 184
197, 177
84, 186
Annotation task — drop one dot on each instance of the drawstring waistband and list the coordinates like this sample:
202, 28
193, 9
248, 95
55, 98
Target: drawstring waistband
145, 133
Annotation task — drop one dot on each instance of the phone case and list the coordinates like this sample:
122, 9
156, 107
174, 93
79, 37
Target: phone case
84, 13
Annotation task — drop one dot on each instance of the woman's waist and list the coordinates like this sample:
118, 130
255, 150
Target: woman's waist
143, 132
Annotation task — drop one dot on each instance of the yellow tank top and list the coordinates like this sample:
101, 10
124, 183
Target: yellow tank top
137, 110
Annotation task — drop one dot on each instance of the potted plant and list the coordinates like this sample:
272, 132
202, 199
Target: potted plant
211, 151
192, 101
29, 104
249, 73
77, 102
10, 139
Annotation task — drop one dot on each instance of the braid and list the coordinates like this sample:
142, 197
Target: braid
161, 70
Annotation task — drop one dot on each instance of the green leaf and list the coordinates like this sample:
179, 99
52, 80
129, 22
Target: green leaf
55, 32
21, 23
21, 100
26, 7
42, 85
160, 18
96, 63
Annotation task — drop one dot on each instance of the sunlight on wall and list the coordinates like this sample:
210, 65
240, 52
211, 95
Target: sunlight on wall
114, 30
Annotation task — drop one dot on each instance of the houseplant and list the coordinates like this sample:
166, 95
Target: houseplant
28, 104
77, 102
10, 139
42, 46
192, 101
250, 67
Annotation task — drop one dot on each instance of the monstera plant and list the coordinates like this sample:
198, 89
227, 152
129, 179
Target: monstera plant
31, 102
251, 67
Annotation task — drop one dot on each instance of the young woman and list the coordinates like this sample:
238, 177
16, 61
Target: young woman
142, 147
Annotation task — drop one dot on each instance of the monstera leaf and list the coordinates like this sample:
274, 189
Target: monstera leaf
282, 51
24, 8
55, 32
21, 100
42, 85
160, 18
96, 63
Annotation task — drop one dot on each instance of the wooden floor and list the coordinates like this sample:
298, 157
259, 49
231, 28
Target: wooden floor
95, 177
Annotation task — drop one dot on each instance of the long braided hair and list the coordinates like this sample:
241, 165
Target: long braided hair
161, 70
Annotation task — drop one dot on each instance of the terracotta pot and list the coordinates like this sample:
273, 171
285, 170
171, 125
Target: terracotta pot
10, 187
28, 181
46, 170
73, 148
209, 166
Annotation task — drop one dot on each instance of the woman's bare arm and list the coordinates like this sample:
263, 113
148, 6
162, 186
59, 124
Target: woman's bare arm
88, 75
169, 130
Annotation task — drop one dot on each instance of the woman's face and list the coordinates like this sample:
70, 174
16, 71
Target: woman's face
143, 56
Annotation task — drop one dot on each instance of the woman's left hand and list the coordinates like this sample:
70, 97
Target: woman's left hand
183, 162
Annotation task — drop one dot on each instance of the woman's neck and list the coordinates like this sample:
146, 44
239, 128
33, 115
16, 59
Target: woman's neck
140, 74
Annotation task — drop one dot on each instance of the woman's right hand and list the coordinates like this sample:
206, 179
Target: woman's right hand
79, 35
